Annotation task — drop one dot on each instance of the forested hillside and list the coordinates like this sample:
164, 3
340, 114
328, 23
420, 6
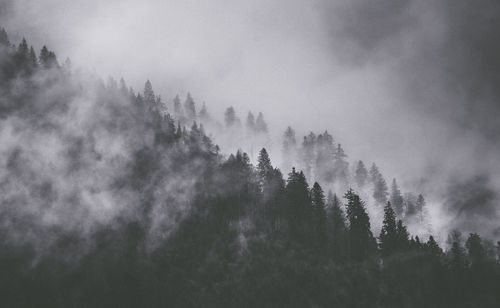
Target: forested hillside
115, 198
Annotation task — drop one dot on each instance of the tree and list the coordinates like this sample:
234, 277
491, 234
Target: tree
340, 165
308, 154
149, 95
4, 38
289, 148
336, 226
204, 115
362, 243
319, 215
475, 250
380, 190
374, 174
47, 58
433, 247
189, 107
230, 118
299, 206
33, 60
396, 199
388, 235
250, 124
264, 166
402, 236
361, 174
178, 111
325, 158
260, 124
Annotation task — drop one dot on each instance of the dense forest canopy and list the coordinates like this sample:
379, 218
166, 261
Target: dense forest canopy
115, 198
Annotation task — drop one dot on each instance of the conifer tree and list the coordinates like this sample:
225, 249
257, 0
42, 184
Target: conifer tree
203, 115
260, 124
230, 118
380, 190
475, 250
250, 124
325, 158
396, 199
33, 60
433, 247
402, 236
319, 215
361, 175
264, 167
388, 234
340, 165
4, 38
308, 153
178, 111
289, 148
362, 243
336, 226
299, 205
190, 107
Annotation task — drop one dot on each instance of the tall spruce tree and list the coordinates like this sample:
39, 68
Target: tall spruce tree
396, 199
388, 234
190, 107
362, 242
319, 217
361, 175
260, 124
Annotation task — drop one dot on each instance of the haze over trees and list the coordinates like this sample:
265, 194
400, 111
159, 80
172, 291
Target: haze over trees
115, 198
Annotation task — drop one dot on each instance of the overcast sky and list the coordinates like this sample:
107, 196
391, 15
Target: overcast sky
412, 85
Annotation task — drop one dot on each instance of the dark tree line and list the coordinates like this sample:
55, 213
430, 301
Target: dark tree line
251, 236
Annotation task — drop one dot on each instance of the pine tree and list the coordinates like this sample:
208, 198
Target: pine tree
361, 175
380, 190
203, 115
475, 250
336, 227
230, 118
402, 236
260, 124
289, 148
374, 174
396, 199
319, 215
433, 247
340, 165
388, 235
33, 60
362, 243
190, 107
264, 166
250, 124
325, 158
4, 38
47, 58
308, 154
299, 204
179, 113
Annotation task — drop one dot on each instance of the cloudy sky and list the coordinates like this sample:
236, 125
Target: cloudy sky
412, 85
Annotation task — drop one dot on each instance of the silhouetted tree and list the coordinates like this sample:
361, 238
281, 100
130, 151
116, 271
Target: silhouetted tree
361, 175
362, 243
260, 124
396, 199
189, 107
319, 216
388, 234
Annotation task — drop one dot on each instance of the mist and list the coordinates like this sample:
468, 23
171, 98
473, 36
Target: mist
411, 85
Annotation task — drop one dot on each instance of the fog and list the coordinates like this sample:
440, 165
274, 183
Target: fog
411, 85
